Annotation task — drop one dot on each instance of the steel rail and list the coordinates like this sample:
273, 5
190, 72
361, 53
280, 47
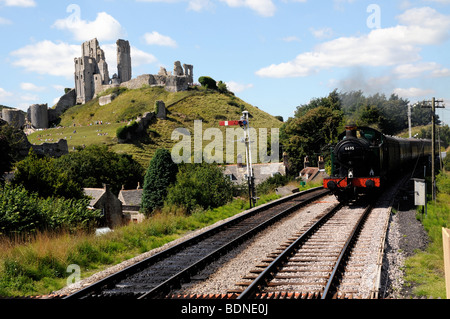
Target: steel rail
268, 274
174, 281
343, 256
111, 280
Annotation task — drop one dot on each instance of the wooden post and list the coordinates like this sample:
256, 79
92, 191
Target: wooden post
446, 242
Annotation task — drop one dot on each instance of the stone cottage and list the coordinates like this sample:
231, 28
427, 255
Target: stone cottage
131, 204
313, 174
237, 173
105, 200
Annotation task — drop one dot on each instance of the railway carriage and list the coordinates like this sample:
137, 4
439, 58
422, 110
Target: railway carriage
365, 160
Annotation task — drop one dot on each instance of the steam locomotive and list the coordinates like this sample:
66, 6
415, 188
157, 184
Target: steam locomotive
365, 160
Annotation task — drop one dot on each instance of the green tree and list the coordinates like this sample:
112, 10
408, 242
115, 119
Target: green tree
200, 186
314, 126
97, 165
161, 173
41, 175
12, 146
222, 87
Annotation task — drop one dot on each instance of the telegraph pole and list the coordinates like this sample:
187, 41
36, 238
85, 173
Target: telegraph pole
409, 120
433, 104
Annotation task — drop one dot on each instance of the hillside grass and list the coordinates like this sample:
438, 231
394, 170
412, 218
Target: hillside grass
183, 108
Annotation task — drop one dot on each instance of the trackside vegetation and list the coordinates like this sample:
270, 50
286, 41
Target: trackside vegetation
424, 272
38, 265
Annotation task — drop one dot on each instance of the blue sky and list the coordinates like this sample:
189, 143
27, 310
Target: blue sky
274, 54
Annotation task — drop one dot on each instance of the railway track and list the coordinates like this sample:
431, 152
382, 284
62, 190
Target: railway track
156, 276
338, 254
312, 262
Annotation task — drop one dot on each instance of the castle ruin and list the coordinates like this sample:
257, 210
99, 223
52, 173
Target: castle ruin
92, 75
91, 70
92, 78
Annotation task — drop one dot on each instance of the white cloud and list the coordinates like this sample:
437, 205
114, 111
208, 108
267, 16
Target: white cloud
4, 94
29, 97
19, 3
47, 57
322, 33
381, 47
57, 59
291, 39
5, 21
138, 57
58, 87
264, 8
410, 70
194, 5
31, 87
104, 27
199, 5
156, 38
238, 87
413, 92
440, 73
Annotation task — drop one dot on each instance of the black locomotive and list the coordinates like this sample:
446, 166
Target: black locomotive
364, 160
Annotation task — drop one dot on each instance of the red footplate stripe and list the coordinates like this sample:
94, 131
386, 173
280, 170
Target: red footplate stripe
355, 182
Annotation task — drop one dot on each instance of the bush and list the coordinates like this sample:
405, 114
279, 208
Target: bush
123, 131
208, 82
24, 212
200, 186
272, 183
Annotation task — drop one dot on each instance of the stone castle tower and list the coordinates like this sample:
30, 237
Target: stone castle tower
91, 69
123, 61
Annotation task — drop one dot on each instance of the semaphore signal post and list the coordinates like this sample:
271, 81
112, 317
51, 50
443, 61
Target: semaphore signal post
245, 125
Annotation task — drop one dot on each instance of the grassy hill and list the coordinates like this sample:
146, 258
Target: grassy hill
80, 125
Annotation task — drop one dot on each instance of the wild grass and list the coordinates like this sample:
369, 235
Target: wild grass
40, 265
425, 270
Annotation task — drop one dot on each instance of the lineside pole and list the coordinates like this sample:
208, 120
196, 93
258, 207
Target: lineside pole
244, 123
433, 104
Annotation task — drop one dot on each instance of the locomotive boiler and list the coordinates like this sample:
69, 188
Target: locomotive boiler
365, 160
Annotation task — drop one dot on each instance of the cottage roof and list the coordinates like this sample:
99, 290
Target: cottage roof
131, 197
261, 171
95, 193
313, 174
